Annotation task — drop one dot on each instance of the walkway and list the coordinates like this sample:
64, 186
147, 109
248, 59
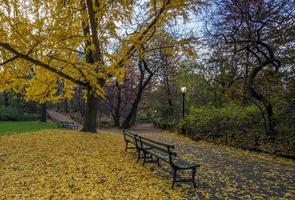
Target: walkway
229, 173
57, 116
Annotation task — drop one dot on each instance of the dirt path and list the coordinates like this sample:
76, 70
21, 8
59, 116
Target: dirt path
228, 173
56, 116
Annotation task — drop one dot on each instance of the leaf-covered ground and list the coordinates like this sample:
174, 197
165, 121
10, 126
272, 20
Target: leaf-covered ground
60, 164
229, 173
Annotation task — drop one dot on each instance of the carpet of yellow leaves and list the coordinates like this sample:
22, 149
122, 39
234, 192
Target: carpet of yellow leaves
71, 165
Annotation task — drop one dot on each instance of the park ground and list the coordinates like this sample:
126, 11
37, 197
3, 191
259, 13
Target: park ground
65, 164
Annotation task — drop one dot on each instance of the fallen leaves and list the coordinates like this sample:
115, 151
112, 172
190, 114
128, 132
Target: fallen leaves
71, 165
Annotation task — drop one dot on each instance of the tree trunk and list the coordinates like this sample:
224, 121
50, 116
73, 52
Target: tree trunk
263, 104
91, 113
66, 106
6, 99
80, 102
117, 114
91, 57
43, 113
128, 120
133, 119
169, 96
116, 120
270, 121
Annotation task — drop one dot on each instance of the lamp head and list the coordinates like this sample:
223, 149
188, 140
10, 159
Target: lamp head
183, 89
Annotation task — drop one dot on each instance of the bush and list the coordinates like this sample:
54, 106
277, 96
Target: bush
220, 119
285, 117
8, 113
165, 124
144, 116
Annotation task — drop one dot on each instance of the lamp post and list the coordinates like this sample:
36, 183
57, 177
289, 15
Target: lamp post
183, 91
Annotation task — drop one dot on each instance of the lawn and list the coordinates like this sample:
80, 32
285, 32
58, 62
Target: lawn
8, 127
63, 164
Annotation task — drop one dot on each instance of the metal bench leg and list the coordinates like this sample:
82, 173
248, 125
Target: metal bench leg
126, 146
144, 158
193, 177
174, 177
158, 162
138, 155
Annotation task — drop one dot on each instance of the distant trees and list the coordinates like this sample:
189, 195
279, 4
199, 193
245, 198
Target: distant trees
146, 74
123, 98
154, 59
13, 108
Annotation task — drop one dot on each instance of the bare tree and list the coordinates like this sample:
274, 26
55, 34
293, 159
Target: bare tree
255, 31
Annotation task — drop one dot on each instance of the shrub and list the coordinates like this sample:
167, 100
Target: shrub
220, 119
285, 117
165, 124
9, 113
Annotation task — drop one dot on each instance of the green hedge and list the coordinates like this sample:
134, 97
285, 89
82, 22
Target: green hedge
220, 119
9, 113
165, 124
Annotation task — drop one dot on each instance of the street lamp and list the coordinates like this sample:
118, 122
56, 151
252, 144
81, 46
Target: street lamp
183, 91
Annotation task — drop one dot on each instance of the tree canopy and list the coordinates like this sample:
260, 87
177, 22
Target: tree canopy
49, 47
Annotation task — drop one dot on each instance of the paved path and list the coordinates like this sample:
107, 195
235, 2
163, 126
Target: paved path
56, 116
229, 173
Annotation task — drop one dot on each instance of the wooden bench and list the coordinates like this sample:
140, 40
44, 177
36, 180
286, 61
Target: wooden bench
166, 153
67, 124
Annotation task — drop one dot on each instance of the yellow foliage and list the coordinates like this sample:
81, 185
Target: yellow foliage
71, 165
52, 32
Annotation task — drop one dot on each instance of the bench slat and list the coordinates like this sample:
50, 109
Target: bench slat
158, 148
158, 143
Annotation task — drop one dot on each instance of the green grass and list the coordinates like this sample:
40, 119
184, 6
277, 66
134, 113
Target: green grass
8, 127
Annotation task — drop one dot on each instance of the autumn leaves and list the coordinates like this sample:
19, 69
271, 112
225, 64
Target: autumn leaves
69, 165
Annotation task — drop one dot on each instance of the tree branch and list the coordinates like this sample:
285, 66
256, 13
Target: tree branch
8, 61
42, 64
130, 51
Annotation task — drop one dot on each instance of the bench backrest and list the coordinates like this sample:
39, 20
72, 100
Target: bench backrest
158, 146
130, 136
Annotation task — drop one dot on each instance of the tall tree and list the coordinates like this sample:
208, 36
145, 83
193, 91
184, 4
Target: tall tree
43, 42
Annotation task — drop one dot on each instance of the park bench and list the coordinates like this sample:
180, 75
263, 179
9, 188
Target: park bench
130, 138
67, 124
148, 149
166, 153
